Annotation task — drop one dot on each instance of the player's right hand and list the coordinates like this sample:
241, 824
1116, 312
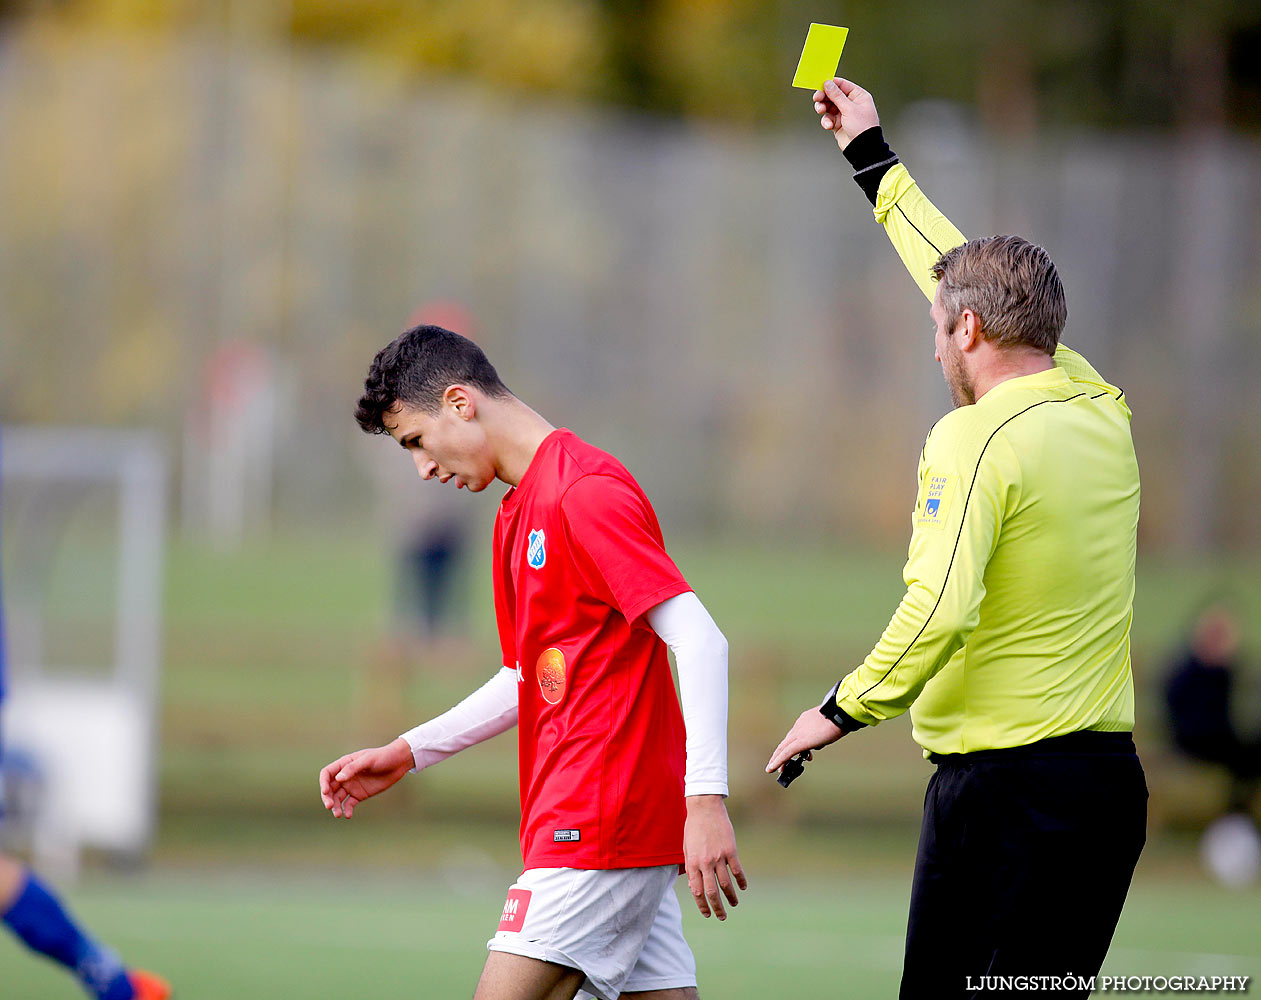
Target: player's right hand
709, 855
360, 775
845, 109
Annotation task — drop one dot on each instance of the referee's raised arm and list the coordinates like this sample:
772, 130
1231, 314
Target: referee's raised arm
917, 229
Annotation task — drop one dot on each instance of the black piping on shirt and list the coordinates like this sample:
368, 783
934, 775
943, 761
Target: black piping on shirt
955, 551
917, 229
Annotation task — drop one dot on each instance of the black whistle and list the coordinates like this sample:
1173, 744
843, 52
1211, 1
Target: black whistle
793, 768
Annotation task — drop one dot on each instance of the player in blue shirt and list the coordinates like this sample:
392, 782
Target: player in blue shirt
31, 910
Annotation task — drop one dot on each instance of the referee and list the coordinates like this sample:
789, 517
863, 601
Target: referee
1011, 648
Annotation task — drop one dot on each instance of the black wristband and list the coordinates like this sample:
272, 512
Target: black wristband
871, 158
833, 712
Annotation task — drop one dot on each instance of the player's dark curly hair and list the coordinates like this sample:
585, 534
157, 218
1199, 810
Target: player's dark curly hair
416, 369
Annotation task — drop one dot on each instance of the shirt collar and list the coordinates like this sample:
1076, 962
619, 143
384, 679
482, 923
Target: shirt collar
1048, 379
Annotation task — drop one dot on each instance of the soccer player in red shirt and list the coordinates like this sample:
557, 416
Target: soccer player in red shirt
618, 787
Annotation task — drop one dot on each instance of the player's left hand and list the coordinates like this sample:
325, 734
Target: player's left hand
810, 732
709, 855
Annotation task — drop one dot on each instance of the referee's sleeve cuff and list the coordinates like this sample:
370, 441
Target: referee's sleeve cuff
833, 712
871, 158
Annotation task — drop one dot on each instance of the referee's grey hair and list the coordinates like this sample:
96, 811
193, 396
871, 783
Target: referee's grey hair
1011, 285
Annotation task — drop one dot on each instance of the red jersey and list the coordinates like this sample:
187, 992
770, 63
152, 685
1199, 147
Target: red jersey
578, 559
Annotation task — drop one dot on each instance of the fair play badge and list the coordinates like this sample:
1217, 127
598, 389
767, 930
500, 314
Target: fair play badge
820, 56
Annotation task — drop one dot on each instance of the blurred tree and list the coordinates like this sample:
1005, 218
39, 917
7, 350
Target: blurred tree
550, 45
1022, 61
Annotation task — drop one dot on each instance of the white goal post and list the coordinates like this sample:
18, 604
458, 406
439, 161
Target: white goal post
84, 529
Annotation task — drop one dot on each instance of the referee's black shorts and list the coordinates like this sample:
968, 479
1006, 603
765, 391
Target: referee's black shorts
1025, 858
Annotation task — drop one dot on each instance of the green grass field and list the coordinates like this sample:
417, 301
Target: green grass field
340, 934
277, 660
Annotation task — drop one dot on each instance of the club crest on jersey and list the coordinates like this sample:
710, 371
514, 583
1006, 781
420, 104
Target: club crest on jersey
536, 552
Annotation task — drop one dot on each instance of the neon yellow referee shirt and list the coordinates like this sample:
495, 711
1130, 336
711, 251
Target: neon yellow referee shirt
1015, 626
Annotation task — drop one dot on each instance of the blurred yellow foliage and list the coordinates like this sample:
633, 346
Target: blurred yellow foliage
553, 45
716, 55
1115, 61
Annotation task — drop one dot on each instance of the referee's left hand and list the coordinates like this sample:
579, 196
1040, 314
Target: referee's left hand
810, 732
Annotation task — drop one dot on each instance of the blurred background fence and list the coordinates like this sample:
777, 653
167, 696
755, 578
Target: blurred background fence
214, 237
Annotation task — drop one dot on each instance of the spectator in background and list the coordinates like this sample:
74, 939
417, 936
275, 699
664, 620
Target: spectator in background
1200, 694
437, 543
431, 566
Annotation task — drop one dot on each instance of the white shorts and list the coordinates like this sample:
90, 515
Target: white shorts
622, 927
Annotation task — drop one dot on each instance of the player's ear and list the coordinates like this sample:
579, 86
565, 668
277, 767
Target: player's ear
460, 401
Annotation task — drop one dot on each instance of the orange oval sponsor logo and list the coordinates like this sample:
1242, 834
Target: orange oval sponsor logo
551, 673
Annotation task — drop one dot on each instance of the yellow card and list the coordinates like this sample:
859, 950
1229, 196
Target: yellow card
820, 56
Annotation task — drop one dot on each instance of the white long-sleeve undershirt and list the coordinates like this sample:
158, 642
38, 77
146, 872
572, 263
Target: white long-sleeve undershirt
700, 654
487, 712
